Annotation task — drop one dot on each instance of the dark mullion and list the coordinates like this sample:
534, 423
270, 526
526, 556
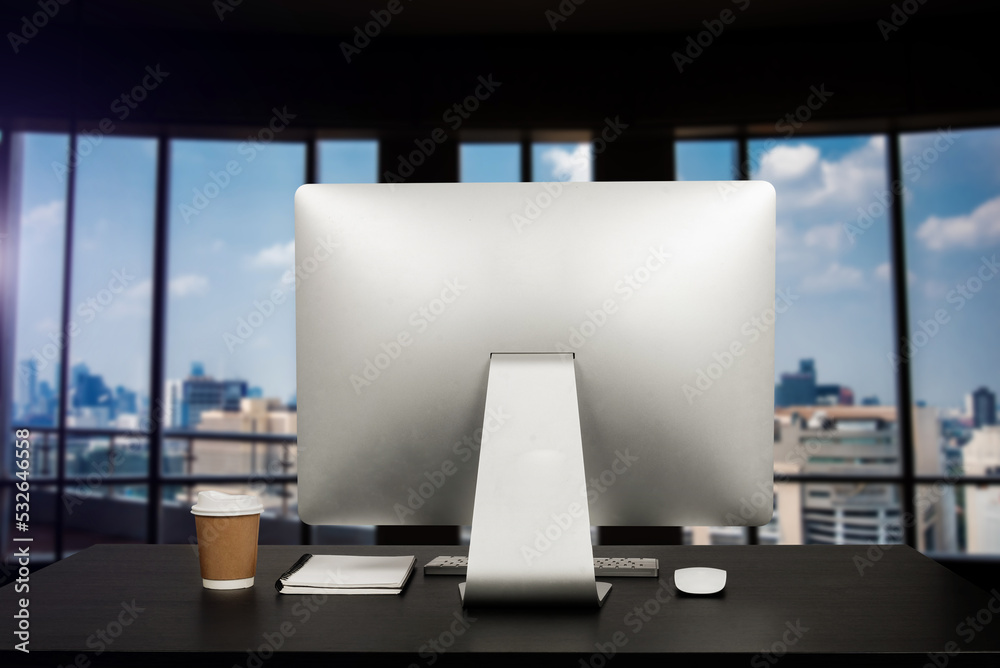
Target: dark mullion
526, 165
743, 157
312, 172
743, 174
9, 244
67, 286
904, 391
161, 238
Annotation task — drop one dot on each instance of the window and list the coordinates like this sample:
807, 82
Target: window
952, 221
706, 160
231, 315
348, 161
562, 161
489, 163
228, 398
38, 336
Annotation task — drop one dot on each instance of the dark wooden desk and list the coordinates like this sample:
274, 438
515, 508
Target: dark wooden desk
810, 603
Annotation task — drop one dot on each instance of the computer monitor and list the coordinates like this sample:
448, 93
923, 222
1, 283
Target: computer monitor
657, 297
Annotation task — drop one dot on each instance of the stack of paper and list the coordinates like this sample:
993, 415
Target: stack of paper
346, 574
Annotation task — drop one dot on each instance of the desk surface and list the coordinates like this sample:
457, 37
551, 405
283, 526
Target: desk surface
815, 601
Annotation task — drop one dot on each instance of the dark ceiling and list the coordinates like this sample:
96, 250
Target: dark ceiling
232, 61
468, 17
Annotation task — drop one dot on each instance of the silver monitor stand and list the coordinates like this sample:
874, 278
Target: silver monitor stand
530, 541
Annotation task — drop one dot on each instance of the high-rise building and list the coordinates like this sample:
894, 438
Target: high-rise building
981, 457
88, 390
984, 407
125, 401
798, 389
200, 393
30, 368
173, 400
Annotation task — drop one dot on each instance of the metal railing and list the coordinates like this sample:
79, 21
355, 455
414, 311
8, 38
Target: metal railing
48, 471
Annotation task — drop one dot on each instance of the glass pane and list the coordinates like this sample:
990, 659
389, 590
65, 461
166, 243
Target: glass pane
489, 163
834, 391
833, 323
101, 513
38, 320
706, 160
952, 216
348, 161
562, 162
231, 306
111, 283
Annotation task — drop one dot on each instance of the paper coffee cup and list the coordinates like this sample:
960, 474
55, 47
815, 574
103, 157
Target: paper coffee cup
227, 526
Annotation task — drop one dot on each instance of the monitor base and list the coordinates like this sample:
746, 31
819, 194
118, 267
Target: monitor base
603, 589
530, 542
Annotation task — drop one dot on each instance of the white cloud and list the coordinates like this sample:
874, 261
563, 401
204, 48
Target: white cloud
278, 255
47, 215
837, 277
188, 284
832, 187
980, 227
141, 290
568, 166
787, 163
824, 236
44, 217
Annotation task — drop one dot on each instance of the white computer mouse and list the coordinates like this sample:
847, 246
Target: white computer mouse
700, 580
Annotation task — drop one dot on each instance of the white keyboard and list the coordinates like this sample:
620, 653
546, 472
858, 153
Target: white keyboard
604, 567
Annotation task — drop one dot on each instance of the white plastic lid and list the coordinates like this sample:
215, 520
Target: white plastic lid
220, 504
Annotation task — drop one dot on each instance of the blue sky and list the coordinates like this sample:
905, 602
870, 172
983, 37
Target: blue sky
843, 317
231, 240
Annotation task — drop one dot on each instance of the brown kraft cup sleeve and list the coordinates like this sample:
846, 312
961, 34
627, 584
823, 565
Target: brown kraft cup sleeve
227, 546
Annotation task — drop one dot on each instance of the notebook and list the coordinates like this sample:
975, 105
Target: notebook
346, 574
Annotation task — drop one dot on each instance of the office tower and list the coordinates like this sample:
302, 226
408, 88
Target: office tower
173, 404
125, 401
799, 389
88, 389
984, 407
200, 393
981, 457
31, 377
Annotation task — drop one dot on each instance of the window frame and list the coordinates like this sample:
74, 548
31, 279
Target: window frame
154, 478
